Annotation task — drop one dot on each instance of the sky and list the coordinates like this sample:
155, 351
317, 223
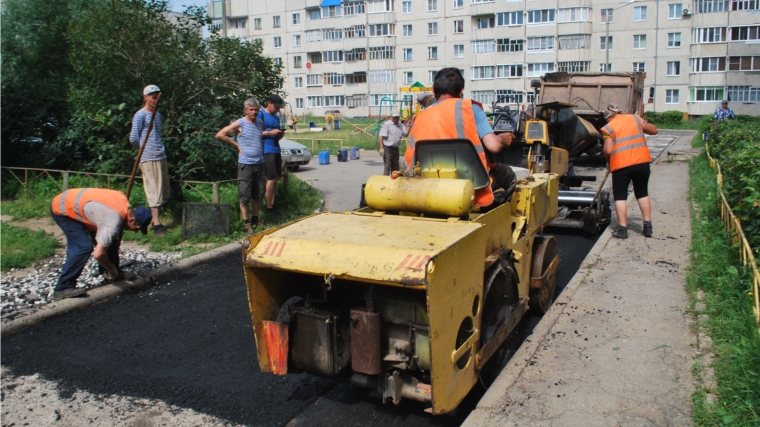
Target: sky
179, 5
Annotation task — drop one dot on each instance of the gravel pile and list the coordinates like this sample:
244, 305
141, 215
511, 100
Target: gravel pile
19, 294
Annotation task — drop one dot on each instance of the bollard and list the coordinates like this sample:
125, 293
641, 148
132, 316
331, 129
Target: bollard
65, 180
215, 187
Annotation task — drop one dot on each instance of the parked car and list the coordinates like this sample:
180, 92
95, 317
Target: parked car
294, 154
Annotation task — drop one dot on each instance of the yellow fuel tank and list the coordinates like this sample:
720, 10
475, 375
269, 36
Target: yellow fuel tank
451, 197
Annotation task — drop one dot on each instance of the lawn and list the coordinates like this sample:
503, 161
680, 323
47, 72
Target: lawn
20, 247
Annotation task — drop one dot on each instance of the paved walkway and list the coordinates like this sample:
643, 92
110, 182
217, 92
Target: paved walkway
615, 349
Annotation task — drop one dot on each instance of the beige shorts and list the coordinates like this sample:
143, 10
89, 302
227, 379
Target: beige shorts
155, 182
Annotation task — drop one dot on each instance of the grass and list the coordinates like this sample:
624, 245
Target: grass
346, 133
20, 247
736, 344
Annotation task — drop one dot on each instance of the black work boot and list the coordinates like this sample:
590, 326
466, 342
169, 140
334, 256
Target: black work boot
68, 293
620, 232
647, 232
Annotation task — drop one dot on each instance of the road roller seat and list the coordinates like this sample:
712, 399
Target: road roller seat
451, 158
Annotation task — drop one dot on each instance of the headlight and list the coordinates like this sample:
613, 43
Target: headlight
307, 153
284, 151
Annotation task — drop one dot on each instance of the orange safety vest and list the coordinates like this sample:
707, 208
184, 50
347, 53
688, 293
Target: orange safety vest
629, 145
71, 203
449, 119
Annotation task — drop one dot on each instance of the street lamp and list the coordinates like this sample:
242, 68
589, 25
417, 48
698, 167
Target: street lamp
607, 38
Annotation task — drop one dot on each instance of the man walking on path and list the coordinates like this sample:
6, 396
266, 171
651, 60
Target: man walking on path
272, 134
625, 148
389, 139
724, 113
93, 220
153, 161
251, 174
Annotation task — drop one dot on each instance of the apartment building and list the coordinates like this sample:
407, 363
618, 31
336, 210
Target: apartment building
349, 55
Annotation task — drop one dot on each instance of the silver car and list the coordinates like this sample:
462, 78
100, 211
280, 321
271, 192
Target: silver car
294, 154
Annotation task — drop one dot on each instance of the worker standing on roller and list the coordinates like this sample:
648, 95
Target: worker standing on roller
452, 117
625, 148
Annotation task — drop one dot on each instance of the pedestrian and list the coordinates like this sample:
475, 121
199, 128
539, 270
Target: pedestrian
448, 118
93, 220
425, 100
272, 135
625, 148
330, 119
155, 172
389, 138
251, 173
723, 112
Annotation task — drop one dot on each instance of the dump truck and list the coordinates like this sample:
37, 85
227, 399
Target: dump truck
572, 105
411, 295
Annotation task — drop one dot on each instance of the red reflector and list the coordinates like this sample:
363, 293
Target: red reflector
276, 338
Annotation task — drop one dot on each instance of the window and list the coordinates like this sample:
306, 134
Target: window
332, 34
574, 41
540, 68
479, 47
408, 77
355, 32
299, 102
639, 66
486, 22
356, 54
382, 76
297, 62
313, 80
509, 96
298, 82
408, 54
277, 61
296, 40
296, 19
259, 41
335, 100
382, 30
674, 39
432, 52
332, 11
671, 96
483, 72
278, 41
708, 65
354, 101
332, 56
381, 52
510, 18
485, 97
458, 26
276, 21
356, 78
745, 33
257, 23
431, 75
540, 43
675, 11
708, 35
313, 36
608, 16
745, 5
541, 16
314, 14
510, 45
706, 93
744, 63
458, 4
239, 23
573, 14
509, 71
639, 13
710, 6
334, 79
432, 28
673, 68
744, 93
606, 43
314, 101
458, 51
375, 99
605, 68
406, 6
379, 6
353, 8
574, 66
432, 5
639, 41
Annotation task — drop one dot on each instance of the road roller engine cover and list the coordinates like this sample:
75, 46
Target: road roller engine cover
411, 295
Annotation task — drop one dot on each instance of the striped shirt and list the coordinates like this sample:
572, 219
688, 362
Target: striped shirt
154, 150
251, 145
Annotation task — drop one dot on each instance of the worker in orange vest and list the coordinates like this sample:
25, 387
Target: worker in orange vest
93, 220
452, 117
625, 148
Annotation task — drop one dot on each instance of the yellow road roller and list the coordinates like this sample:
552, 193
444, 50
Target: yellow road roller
411, 295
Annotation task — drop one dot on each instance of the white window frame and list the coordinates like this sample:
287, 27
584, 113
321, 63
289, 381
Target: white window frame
296, 18
334, 79
606, 43
672, 96
573, 14
709, 93
296, 40
510, 19
299, 103
673, 68
486, 22
707, 64
408, 77
277, 42
432, 5
458, 26
540, 44
674, 40
639, 13
745, 5
710, 6
314, 80
538, 69
675, 11
315, 101
432, 53
355, 54
376, 98
381, 30
607, 14
431, 75
485, 97
483, 72
509, 96
276, 21
510, 71
739, 63
381, 52
379, 6
256, 23
332, 56
335, 100
432, 28
573, 41
406, 7
639, 67
458, 4
355, 31
482, 47
744, 33
298, 82
313, 36
332, 11
408, 54
574, 66
382, 76
541, 17
458, 51
743, 93
639, 41
297, 61
407, 30
707, 35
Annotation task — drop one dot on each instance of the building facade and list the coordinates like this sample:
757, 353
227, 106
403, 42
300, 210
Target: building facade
350, 55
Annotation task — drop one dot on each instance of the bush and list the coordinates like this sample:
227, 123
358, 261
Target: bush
672, 117
652, 117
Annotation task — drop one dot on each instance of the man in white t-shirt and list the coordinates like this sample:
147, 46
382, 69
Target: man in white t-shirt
389, 139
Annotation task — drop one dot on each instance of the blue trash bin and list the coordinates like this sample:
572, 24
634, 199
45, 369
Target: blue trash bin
336, 125
342, 155
354, 153
324, 157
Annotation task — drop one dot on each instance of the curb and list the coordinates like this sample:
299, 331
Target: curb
494, 396
106, 292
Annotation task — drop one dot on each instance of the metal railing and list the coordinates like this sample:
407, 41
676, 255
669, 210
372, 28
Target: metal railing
733, 224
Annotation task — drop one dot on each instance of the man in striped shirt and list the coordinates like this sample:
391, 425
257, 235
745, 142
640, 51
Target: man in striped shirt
251, 168
153, 161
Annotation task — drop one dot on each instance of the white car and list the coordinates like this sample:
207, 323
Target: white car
294, 154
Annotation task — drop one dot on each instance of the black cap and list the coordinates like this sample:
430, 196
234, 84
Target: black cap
276, 101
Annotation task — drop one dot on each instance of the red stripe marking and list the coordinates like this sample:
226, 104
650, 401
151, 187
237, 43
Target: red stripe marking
400, 266
424, 260
281, 248
274, 249
269, 246
411, 264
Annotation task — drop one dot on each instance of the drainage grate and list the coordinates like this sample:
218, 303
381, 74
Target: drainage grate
205, 218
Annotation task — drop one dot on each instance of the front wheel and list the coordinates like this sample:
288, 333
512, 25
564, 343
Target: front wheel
543, 274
